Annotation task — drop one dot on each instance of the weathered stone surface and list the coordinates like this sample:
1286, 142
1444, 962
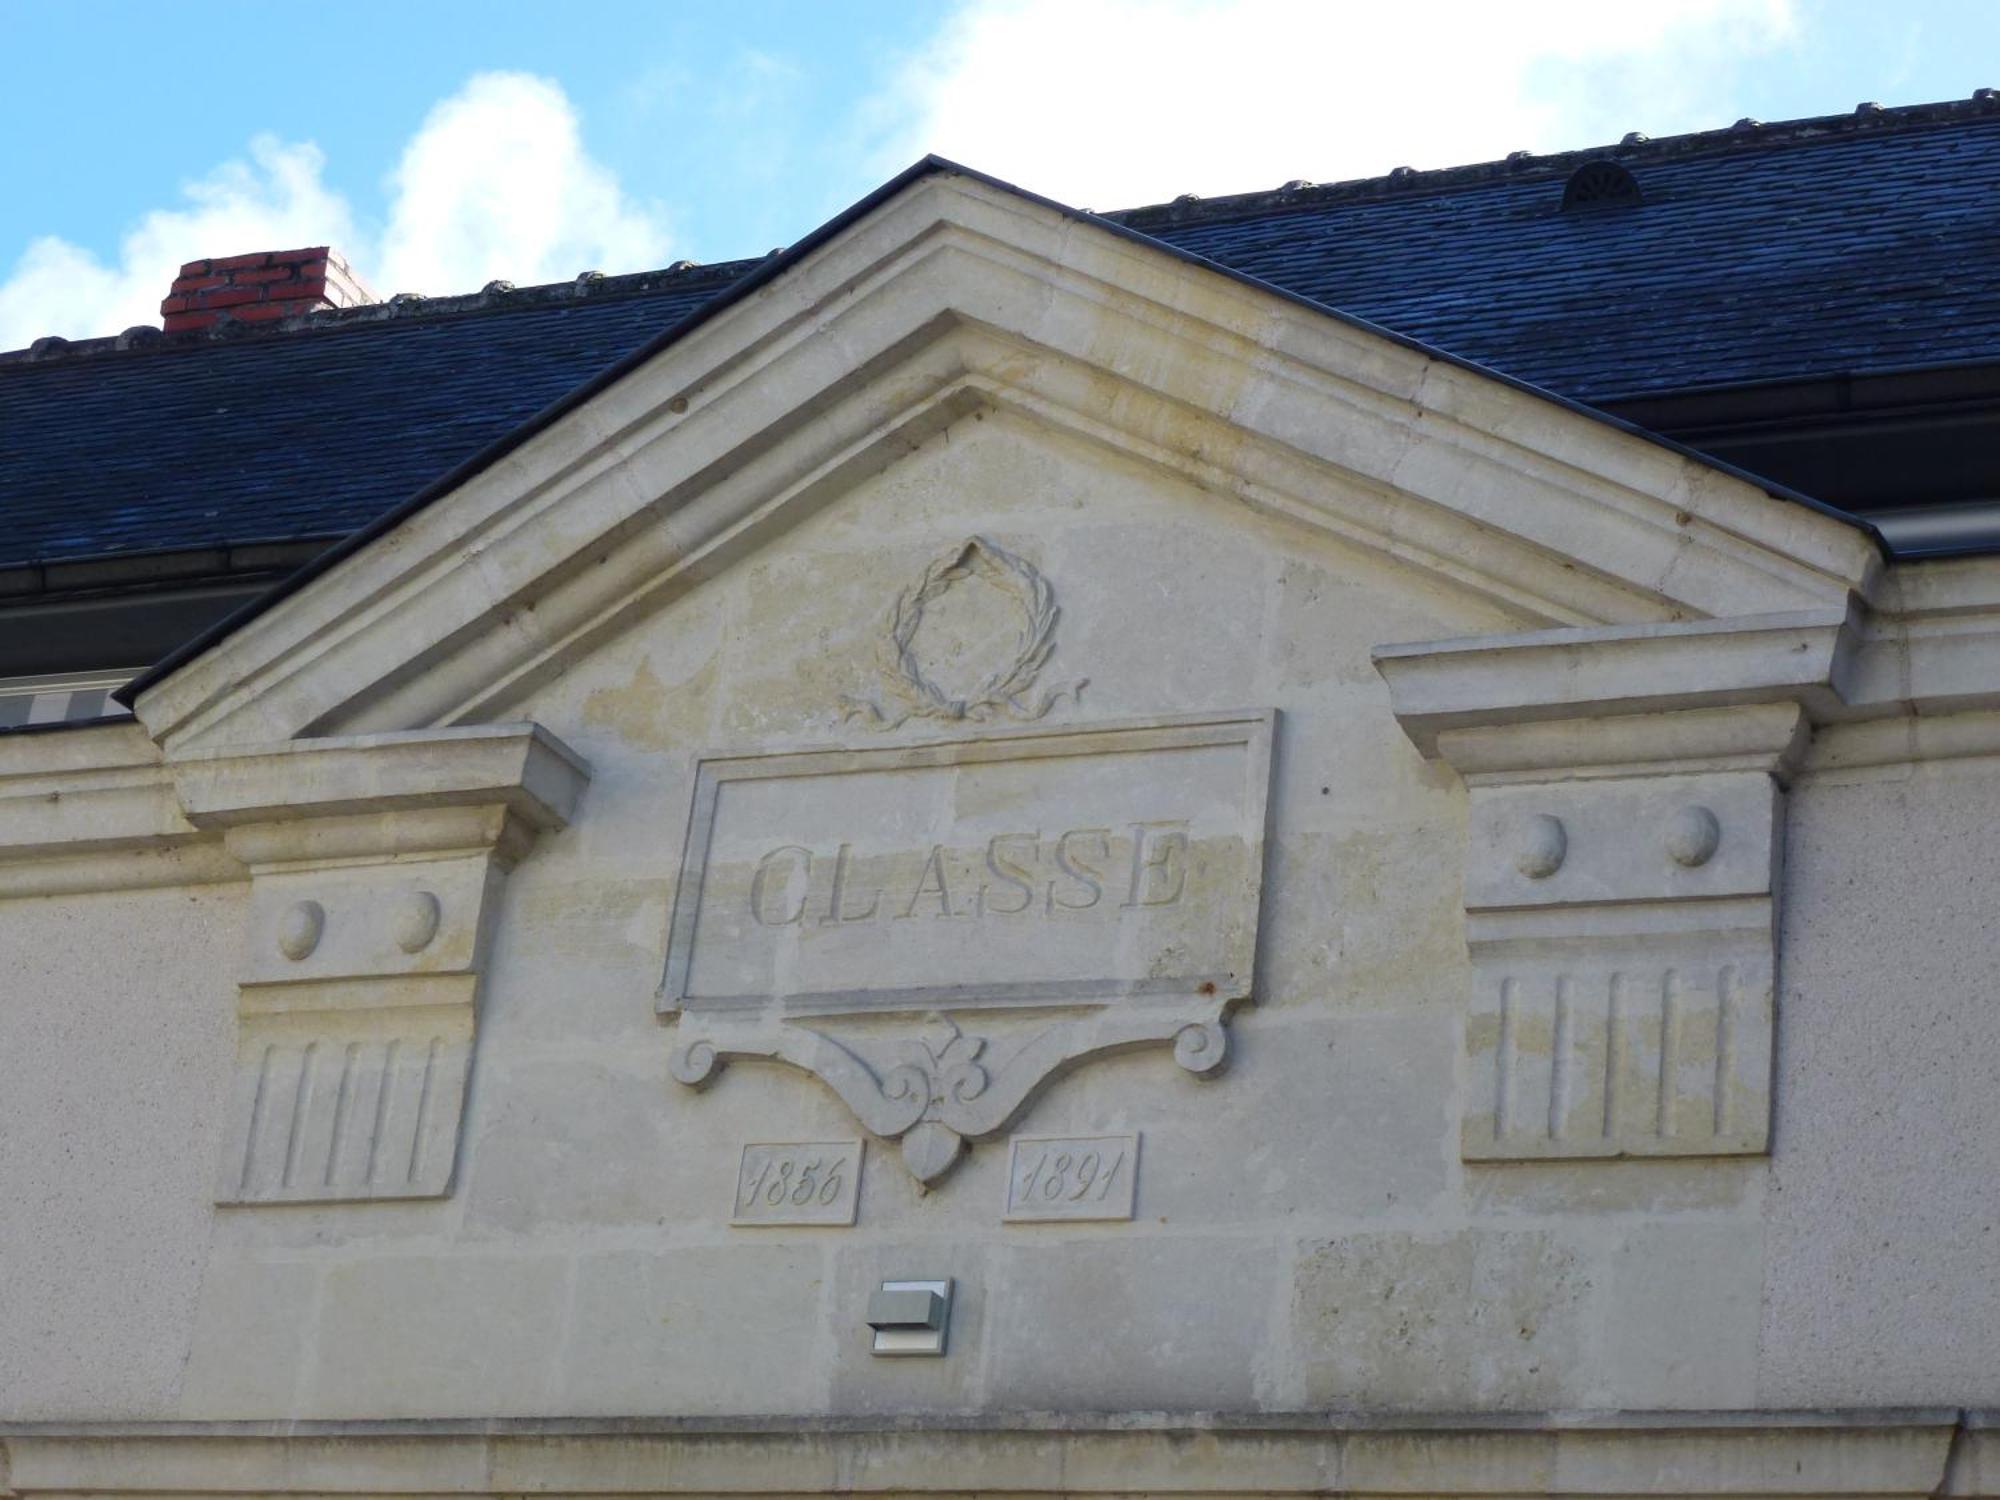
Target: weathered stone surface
1471, 1318
437, 1336
1676, 1318
737, 1328
1067, 1313
115, 1044
1884, 1206
538, 1160
248, 1354
1365, 1131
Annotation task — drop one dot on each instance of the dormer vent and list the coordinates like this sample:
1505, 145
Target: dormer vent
1600, 184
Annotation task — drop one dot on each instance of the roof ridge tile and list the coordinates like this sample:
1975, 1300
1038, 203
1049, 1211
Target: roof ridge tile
496, 296
1745, 136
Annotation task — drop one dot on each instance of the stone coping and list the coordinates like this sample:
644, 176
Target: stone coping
1331, 1420
1877, 1452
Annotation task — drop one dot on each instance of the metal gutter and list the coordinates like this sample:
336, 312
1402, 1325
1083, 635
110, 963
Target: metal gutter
1925, 532
170, 567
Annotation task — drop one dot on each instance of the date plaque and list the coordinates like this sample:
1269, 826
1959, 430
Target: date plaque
798, 1182
1071, 1177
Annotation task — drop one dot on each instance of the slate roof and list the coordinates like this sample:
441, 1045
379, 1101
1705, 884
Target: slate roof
310, 431
1862, 242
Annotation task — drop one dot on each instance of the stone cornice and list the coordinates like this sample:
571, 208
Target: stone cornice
94, 809
1608, 673
103, 810
1625, 821
521, 766
1918, 1452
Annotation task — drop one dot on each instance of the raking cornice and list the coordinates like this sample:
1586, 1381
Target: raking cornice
952, 295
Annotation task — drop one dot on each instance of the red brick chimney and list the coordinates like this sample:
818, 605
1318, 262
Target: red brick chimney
256, 288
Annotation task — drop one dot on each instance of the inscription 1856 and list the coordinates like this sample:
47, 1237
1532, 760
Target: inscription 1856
798, 1182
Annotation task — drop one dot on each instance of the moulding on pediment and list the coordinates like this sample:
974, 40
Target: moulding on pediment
520, 767
375, 864
94, 810
1625, 826
1769, 737
129, 865
1897, 744
956, 295
1612, 672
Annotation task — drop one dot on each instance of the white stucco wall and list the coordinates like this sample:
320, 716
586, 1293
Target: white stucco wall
1882, 1220
116, 1021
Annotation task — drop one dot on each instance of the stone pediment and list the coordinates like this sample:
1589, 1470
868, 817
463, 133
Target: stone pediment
957, 295
929, 892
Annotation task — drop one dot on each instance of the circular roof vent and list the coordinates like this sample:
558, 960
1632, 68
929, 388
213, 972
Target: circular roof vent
1600, 184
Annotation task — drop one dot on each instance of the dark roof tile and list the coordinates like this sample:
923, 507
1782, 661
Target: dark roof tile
308, 432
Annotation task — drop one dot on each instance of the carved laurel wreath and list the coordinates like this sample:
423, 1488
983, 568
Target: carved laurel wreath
907, 692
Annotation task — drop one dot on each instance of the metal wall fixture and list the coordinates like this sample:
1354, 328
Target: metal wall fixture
910, 1317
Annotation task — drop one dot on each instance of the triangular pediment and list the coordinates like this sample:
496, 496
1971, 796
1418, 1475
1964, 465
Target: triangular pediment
947, 299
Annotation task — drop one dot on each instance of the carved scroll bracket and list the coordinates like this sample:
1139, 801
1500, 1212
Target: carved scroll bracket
375, 863
1625, 822
936, 1091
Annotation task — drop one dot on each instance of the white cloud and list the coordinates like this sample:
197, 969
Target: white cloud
1109, 103
273, 201
496, 183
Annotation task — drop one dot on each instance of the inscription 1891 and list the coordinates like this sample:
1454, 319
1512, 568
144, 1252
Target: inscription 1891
1071, 1177
1028, 875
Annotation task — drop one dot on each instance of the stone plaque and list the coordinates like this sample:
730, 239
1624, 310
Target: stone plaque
1103, 878
1071, 1177
1093, 865
798, 1182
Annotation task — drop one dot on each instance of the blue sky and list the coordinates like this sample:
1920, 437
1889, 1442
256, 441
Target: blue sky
442, 143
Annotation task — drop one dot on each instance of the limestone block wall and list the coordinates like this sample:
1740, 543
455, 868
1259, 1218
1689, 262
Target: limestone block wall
1307, 1232
1883, 1205
116, 1028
